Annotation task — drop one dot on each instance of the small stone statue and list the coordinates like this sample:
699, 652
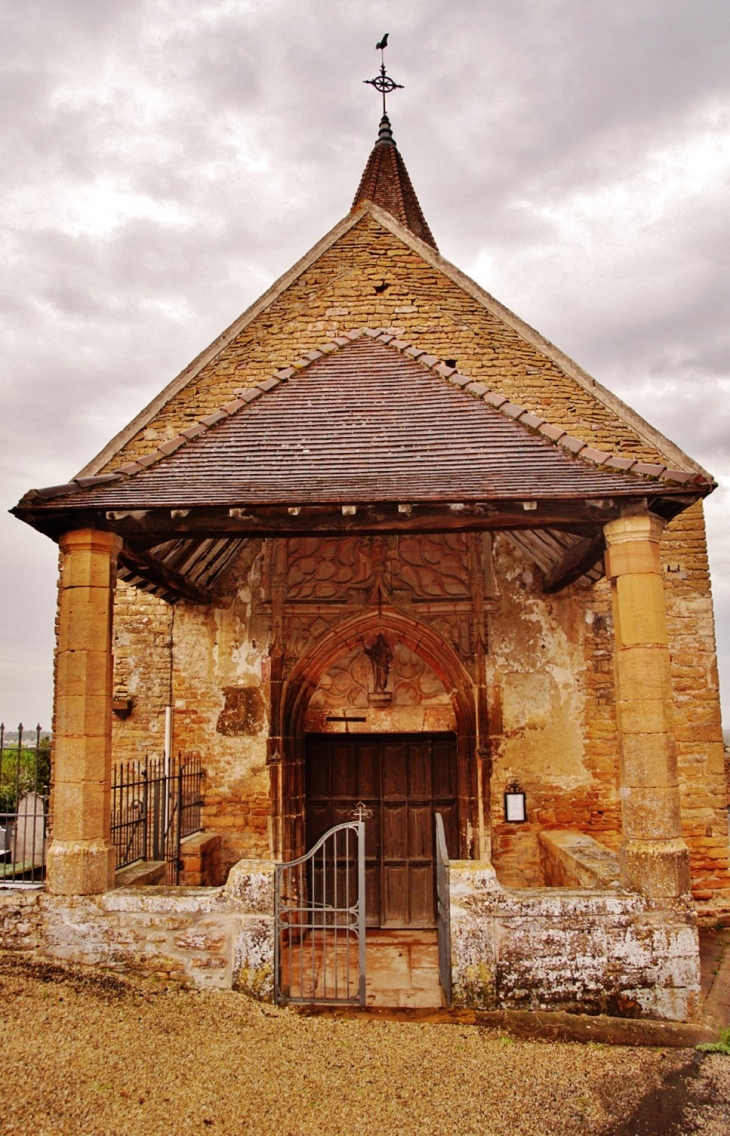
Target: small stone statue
381, 657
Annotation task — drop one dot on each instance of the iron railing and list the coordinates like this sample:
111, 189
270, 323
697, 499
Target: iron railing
153, 808
443, 906
319, 943
25, 774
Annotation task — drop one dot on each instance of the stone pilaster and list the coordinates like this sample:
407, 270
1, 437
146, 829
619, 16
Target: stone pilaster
654, 858
81, 855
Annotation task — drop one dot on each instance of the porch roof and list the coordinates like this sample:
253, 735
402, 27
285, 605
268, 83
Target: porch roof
367, 433
366, 420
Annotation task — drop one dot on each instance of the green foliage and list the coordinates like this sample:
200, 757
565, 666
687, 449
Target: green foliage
24, 771
722, 1045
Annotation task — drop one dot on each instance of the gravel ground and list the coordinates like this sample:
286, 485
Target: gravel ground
105, 1056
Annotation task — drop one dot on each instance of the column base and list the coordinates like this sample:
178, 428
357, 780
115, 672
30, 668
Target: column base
80, 867
655, 868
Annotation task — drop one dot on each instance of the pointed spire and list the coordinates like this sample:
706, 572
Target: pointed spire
386, 183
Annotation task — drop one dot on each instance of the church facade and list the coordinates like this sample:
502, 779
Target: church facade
383, 544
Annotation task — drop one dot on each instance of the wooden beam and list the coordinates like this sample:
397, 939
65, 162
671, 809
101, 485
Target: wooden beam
156, 525
153, 570
576, 561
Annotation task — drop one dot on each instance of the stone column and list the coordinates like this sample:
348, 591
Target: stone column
81, 855
654, 858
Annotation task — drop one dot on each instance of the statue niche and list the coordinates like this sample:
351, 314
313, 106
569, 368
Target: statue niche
381, 657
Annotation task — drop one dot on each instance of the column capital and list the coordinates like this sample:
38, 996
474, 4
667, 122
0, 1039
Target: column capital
96, 540
632, 545
634, 526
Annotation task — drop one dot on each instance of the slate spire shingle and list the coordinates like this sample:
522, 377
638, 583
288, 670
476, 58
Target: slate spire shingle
386, 183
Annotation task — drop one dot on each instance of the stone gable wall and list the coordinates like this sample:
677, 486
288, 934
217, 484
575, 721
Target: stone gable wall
338, 292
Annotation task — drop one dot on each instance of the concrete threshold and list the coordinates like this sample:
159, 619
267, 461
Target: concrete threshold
538, 1024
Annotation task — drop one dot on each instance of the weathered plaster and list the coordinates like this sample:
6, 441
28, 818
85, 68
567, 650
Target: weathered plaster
585, 951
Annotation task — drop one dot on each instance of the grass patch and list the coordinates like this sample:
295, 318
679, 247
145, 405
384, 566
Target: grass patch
722, 1045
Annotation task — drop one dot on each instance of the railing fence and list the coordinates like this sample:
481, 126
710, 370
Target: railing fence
25, 774
153, 808
154, 805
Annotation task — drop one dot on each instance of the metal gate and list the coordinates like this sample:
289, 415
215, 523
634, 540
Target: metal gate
443, 908
319, 946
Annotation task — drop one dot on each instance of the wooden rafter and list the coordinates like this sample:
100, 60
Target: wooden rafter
574, 563
149, 568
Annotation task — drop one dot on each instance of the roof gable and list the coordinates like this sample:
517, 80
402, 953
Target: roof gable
219, 360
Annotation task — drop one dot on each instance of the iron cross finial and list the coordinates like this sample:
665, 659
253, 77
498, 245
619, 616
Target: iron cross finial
383, 81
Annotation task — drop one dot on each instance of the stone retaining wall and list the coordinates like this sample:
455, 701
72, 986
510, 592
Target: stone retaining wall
587, 951
584, 951
211, 937
20, 920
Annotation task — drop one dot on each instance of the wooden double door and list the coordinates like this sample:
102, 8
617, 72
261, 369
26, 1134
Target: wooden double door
404, 779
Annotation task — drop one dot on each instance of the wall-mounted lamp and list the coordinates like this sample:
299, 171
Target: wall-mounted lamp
515, 809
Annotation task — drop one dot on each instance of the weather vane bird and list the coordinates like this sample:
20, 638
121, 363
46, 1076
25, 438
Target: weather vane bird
383, 81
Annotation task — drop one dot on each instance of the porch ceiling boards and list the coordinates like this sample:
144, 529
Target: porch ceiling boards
369, 434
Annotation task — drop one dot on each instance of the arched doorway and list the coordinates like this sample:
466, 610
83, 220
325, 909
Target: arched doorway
405, 757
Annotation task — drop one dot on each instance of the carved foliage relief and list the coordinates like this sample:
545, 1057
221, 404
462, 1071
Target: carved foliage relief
325, 568
434, 577
433, 566
347, 688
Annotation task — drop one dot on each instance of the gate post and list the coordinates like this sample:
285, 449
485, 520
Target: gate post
81, 857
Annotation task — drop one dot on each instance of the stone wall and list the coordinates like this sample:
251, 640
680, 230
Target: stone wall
217, 938
697, 721
200, 860
575, 860
584, 951
20, 920
552, 723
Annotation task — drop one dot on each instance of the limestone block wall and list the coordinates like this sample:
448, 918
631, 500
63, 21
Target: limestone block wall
20, 920
208, 663
142, 645
575, 860
697, 721
584, 951
219, 938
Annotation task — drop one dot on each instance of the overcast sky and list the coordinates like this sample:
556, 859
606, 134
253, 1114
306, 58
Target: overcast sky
163, 161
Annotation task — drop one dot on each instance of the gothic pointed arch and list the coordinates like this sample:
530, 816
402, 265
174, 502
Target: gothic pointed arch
295, 693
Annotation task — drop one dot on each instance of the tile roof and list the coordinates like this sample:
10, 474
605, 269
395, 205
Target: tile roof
367, 418
386, 183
